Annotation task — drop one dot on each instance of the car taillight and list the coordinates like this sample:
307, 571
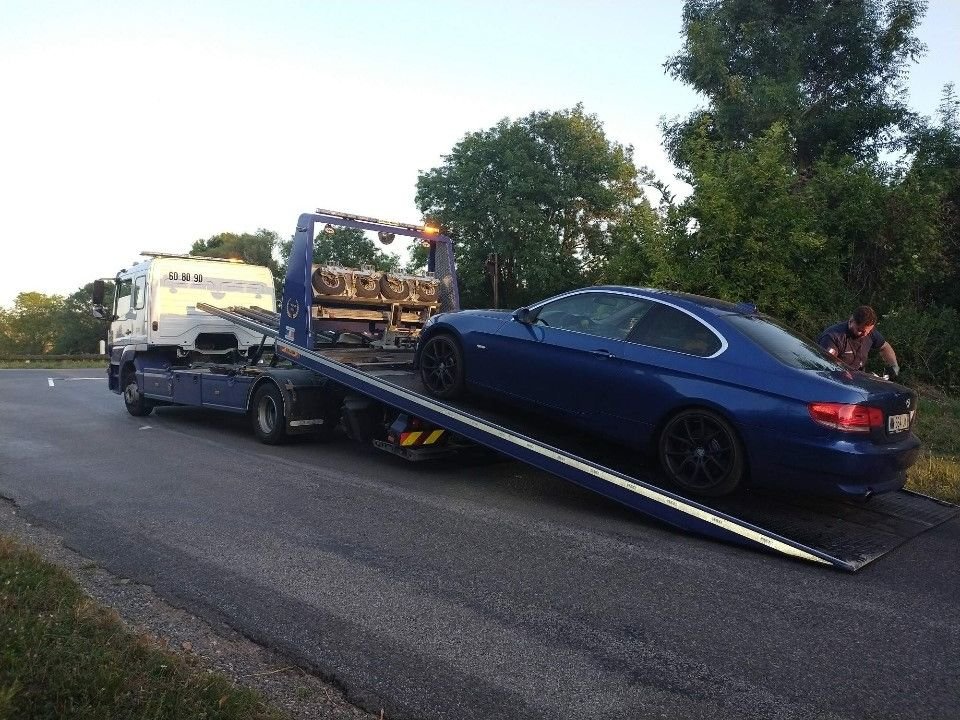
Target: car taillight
846, 417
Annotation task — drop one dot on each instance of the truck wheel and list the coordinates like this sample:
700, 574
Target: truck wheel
137, 405
394, 288
266, 414
441, 367
700, 453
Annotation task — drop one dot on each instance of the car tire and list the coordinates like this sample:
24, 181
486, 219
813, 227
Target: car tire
700, 453
136, 404
441, 367
267, 416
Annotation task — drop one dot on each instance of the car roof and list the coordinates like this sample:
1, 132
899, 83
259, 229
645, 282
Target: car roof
687, 300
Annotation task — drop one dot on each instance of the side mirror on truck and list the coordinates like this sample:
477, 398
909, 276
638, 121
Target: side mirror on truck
97, 309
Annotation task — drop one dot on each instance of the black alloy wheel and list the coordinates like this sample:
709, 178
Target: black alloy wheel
441, 367
700, 453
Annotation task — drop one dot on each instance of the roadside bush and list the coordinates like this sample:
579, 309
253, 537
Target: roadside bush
927, 342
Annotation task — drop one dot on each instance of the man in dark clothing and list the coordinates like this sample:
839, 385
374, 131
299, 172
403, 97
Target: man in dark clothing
851, 341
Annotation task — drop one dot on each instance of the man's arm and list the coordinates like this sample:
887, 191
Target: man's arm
889, 358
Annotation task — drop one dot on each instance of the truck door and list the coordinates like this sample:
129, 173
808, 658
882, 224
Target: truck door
121, 328
138, 306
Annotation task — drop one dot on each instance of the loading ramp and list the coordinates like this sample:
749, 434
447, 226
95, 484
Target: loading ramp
843, 533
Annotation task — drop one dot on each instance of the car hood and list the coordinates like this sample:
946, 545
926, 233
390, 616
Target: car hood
495, 314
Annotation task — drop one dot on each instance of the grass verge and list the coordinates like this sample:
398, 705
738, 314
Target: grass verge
63, 656
52, 364
937, 472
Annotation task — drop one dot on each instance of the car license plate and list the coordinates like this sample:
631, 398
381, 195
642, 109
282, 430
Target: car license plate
898, 423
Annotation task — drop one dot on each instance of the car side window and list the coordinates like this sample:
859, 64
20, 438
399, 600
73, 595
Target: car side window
608, 315
671, 329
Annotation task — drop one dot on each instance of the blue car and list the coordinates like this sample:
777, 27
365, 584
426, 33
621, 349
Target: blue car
720, 394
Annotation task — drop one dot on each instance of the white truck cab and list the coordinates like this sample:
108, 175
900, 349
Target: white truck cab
155, 304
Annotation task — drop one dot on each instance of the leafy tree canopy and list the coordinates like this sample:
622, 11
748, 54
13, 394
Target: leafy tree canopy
33, 324
830, 71
348, 247
256, 248
545, 192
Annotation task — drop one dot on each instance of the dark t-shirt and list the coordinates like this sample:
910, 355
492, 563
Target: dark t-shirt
851, 351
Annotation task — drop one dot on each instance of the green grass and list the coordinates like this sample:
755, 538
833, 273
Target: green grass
63, 656
937, 472
52, 364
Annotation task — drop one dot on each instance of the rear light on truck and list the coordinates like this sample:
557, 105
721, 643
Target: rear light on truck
846, 417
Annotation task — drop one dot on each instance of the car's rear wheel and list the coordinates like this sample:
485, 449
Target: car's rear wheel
700, 453
441, 367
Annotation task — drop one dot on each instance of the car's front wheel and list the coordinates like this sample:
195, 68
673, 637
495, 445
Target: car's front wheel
441, 367
700, 453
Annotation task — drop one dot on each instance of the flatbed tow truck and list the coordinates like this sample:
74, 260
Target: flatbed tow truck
315, 382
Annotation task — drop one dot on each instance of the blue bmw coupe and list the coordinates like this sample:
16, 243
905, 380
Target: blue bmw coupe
720, 394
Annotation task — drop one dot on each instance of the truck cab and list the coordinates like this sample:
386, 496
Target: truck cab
155, 305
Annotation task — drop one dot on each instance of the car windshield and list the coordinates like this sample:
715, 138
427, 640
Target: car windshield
785, 345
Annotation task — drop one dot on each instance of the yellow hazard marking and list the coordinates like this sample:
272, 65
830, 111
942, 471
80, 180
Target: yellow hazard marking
410, 438
433, 437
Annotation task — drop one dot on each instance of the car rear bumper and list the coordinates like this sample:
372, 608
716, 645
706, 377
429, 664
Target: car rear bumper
837, 467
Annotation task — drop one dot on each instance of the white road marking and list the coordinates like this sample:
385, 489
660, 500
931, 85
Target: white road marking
50, 380
147, 427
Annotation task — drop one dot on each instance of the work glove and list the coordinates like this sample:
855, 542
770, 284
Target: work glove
894, 370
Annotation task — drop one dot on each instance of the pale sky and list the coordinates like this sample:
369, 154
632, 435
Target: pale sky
129, 126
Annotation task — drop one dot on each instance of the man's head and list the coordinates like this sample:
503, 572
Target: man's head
862, 322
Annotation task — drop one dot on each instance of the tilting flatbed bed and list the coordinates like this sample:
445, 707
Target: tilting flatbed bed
847, 534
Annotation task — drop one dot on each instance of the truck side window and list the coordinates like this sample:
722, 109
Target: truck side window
123, 297
139, 292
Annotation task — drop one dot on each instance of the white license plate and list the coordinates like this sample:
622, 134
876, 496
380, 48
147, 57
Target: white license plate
898, 423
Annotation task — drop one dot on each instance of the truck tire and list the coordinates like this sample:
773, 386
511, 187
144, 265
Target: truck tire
136, 404
366, 285
394, 288
329, 282
266, 415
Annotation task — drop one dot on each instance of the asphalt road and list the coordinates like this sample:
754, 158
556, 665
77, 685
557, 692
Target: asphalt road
481, 590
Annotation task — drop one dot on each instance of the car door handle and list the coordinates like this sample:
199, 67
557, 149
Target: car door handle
601, 353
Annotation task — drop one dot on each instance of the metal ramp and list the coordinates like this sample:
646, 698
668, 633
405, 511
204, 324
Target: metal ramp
845, 534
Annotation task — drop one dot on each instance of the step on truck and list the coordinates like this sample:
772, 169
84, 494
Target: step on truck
337, 352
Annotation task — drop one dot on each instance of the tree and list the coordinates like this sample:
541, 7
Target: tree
80, 332
348, 247
256, 249
830, 72
33, 324
545, 193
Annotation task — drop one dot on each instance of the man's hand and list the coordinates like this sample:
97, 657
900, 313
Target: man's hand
894, 370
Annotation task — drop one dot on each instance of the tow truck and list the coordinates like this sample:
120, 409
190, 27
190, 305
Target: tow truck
337, 351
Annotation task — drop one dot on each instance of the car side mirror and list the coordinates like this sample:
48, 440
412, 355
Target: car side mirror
98, 291
524, 315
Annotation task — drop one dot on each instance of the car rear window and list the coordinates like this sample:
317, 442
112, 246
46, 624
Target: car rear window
784, 344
